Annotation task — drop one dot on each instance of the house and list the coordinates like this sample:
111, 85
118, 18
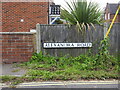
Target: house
110, 11
54, 13
23, 16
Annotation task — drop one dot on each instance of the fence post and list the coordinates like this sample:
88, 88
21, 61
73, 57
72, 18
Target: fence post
38, 38
105, 28
34, 42
118, 41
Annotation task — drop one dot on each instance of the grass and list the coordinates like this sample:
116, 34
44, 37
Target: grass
84, 67
16, 70
7, 78
46, 67
13, 80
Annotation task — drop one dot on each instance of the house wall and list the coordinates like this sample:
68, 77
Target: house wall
106, 14
16, 47
111, 16
30, 12
117, 18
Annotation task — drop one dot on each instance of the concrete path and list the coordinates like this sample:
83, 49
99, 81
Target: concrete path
10, 69
69, 84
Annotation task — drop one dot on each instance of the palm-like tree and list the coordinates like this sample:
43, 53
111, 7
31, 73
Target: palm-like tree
82, 14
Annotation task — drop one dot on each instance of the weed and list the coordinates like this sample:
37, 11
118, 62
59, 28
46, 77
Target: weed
72, 68
13, 80
103, 59
7, 78
12, 86
16, 70
45, 67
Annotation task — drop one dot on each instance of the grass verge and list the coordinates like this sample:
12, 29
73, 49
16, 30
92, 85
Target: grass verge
45, 67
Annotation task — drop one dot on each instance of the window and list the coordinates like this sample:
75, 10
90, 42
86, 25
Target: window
105, 17
108, 15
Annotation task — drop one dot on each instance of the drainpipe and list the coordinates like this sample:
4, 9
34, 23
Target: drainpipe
48, 11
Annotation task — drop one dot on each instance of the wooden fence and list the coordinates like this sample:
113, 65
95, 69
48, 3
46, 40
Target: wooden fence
114, 38
66, 34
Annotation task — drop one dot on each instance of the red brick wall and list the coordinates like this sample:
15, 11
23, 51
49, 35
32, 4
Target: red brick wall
0, 48
17, 47
31, 12
117, 18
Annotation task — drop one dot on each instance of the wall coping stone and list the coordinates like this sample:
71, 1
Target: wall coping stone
26, 0
23, 33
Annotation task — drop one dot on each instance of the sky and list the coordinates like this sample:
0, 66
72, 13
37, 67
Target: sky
102, 3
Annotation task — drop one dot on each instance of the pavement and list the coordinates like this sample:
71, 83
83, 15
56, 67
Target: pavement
10, 69
68, 84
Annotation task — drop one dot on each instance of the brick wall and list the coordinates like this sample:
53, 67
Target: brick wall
23, 16
18, 18
17, 47
117, 18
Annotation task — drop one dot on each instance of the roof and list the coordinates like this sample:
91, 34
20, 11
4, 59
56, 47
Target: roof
112, 8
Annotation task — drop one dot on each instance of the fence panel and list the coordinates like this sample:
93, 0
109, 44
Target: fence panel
66, 34
114, 38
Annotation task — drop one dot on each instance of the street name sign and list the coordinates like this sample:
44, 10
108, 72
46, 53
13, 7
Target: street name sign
66, 45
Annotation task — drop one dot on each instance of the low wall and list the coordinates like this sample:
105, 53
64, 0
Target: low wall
16, 46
